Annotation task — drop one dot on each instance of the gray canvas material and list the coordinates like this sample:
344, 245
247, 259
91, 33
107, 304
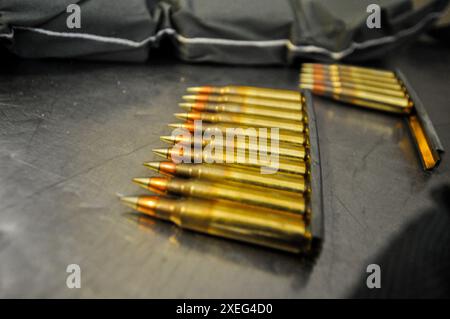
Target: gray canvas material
233, 31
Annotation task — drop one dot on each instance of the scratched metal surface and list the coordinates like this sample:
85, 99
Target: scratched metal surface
73, 134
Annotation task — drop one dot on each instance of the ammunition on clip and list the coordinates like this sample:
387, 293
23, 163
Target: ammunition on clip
218, 172
283, 150
247, 120
252, 174
246, 100
353, 86
283, 135
377, 89
261, 226
403, 102
253, 195
351, 73
240, 109
287, 166
248, 91
356, 69
312, 77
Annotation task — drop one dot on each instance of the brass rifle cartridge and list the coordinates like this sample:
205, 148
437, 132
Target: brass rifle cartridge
283, 150
398, 92
246, 100
308, 77
364, 70
218, 172
249, 91
403, 102
261, 226
376, 89
248, 120
241, 109
253, 195
287, 166
349, 73
283, 135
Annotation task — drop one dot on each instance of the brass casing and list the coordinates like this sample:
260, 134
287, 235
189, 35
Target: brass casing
283, 150
353, 86
352, 68
249, 175
242, 109
326, 71
252, 91
359, 94
236, 192
284, 136
265, 227
308, 77
297, 167
247, 100
249, 120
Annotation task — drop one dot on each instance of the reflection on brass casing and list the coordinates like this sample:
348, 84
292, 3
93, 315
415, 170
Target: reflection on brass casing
249, 91
429, 157
241, 109
356, 101
248, 120
354, 86
308, 77
283, 165
261, 226
283, 135
360, 94
252, 145
349, 74
218, 172
246, 100
363, 70
253, 195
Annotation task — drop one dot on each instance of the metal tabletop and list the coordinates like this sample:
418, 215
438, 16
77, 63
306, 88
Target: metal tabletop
73, 134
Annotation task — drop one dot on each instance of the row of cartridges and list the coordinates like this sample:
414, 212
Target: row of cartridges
381, 90
253, 185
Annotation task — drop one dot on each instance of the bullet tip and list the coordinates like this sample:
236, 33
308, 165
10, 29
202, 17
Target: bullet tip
182, 116
194, 89
168, 139
153, 165
175, 125
189, 97
186, 106
164, 152
142, 181
130, 201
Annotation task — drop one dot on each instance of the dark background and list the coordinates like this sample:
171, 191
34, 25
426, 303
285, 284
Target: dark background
73, 134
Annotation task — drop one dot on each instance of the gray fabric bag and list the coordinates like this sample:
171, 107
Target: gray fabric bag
233, 31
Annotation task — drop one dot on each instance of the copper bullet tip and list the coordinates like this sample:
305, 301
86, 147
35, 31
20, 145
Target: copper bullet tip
168, 139
142, 181
186, 106
130, 201
182, 116
164, 152
153, 165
